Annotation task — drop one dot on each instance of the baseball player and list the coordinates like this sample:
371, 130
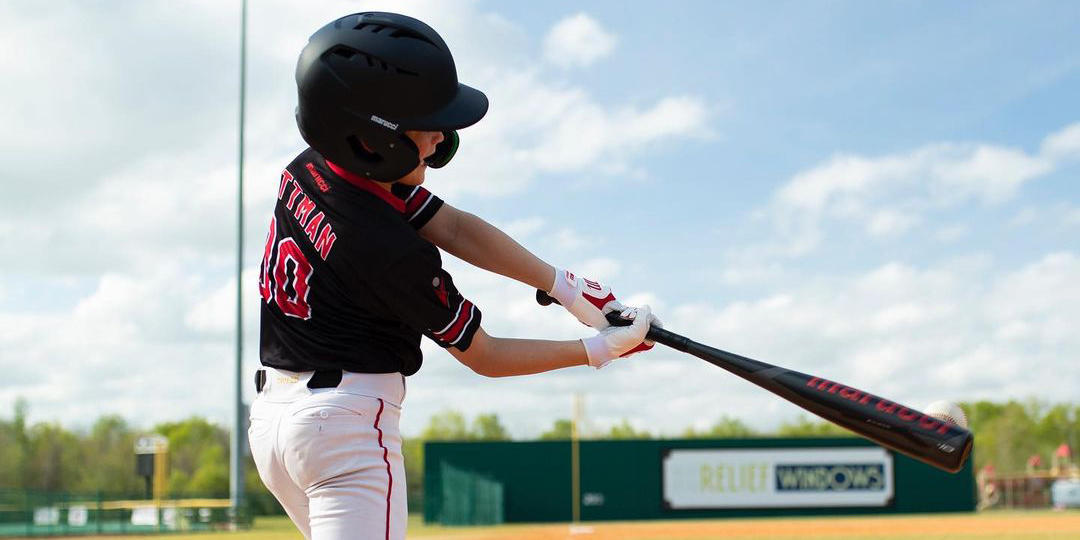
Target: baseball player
351, 277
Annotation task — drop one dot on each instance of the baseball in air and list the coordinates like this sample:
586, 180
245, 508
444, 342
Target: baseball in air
947, 411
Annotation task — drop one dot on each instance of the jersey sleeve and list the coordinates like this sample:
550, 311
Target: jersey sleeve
420, 204
423, 296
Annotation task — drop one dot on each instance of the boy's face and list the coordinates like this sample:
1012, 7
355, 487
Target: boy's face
425, 142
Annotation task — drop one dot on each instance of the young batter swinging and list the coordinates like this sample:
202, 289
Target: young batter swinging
351, 277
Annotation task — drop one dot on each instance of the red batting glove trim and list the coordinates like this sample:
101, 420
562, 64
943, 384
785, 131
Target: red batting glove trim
599, 302
641, 347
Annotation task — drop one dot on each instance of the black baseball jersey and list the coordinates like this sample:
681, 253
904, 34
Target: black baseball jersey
347, 282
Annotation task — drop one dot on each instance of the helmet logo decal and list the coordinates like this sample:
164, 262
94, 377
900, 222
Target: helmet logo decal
385, 123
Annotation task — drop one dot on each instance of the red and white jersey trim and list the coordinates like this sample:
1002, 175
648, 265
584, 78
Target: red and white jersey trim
455, 329
417, 201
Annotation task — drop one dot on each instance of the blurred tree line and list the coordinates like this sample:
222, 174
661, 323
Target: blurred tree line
100, 459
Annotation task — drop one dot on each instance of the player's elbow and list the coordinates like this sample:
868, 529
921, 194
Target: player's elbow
487, 370
484, 366
480, 356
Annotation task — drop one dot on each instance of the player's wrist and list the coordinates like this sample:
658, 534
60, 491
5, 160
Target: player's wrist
564, 287
597, 351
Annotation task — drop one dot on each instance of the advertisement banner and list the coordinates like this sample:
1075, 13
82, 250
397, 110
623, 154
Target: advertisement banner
777, 478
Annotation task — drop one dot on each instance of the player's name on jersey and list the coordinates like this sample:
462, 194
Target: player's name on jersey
317, 227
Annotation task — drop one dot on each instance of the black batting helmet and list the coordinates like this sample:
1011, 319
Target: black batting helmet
371, 76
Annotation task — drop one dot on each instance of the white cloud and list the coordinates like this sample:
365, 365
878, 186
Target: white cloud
888, 222
537, 126
951, 233
1034, 296
1072, 217
583, 133
124, 348
578, 41
990, 173
1057, 215
1064, 144
88, 100
213, 312
522, 228
750, 272
890, 195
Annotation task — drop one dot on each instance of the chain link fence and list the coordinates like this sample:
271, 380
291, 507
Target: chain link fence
36, 513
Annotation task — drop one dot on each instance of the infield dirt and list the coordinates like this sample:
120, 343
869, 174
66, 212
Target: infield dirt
1038, 525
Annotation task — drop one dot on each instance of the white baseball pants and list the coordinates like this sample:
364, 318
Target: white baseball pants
332, 456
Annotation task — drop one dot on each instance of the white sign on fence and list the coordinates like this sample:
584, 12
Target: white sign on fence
169, 516
77, 515
46, 515
144, 515
778, 478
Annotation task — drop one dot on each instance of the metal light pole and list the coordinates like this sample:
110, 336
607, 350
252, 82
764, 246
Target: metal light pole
236, 468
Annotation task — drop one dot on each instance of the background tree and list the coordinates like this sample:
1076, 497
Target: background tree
562, 429
11, 452
805, 427
623, 430
110, 448
486, 427
448, 425
19, 434
725, 427
198, 453
56, 459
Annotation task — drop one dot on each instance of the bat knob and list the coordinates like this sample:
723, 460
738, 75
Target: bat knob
544, 299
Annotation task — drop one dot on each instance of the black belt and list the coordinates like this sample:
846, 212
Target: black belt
322, 378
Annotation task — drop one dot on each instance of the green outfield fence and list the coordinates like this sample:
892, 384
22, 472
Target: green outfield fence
40, 513
626, 479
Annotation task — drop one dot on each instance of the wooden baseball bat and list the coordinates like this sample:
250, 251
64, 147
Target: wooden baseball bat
888, 423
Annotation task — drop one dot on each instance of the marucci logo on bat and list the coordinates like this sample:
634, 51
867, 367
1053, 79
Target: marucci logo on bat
867, 399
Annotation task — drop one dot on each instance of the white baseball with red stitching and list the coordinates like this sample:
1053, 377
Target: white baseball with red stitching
947, 411
585, 299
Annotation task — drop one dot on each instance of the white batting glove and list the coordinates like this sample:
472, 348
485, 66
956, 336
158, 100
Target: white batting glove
585, 299
620, 341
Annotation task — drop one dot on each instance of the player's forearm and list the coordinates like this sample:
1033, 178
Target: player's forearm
506, 357
482, 244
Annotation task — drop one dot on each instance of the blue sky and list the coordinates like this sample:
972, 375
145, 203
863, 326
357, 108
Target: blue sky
885, 194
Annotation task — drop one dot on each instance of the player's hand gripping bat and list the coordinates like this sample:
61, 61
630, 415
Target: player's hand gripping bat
906, 430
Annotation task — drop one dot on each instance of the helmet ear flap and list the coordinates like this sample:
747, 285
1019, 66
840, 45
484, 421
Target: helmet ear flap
363, 152
444, 151
383, 157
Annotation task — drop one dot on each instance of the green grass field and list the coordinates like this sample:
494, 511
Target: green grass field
1035, 525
